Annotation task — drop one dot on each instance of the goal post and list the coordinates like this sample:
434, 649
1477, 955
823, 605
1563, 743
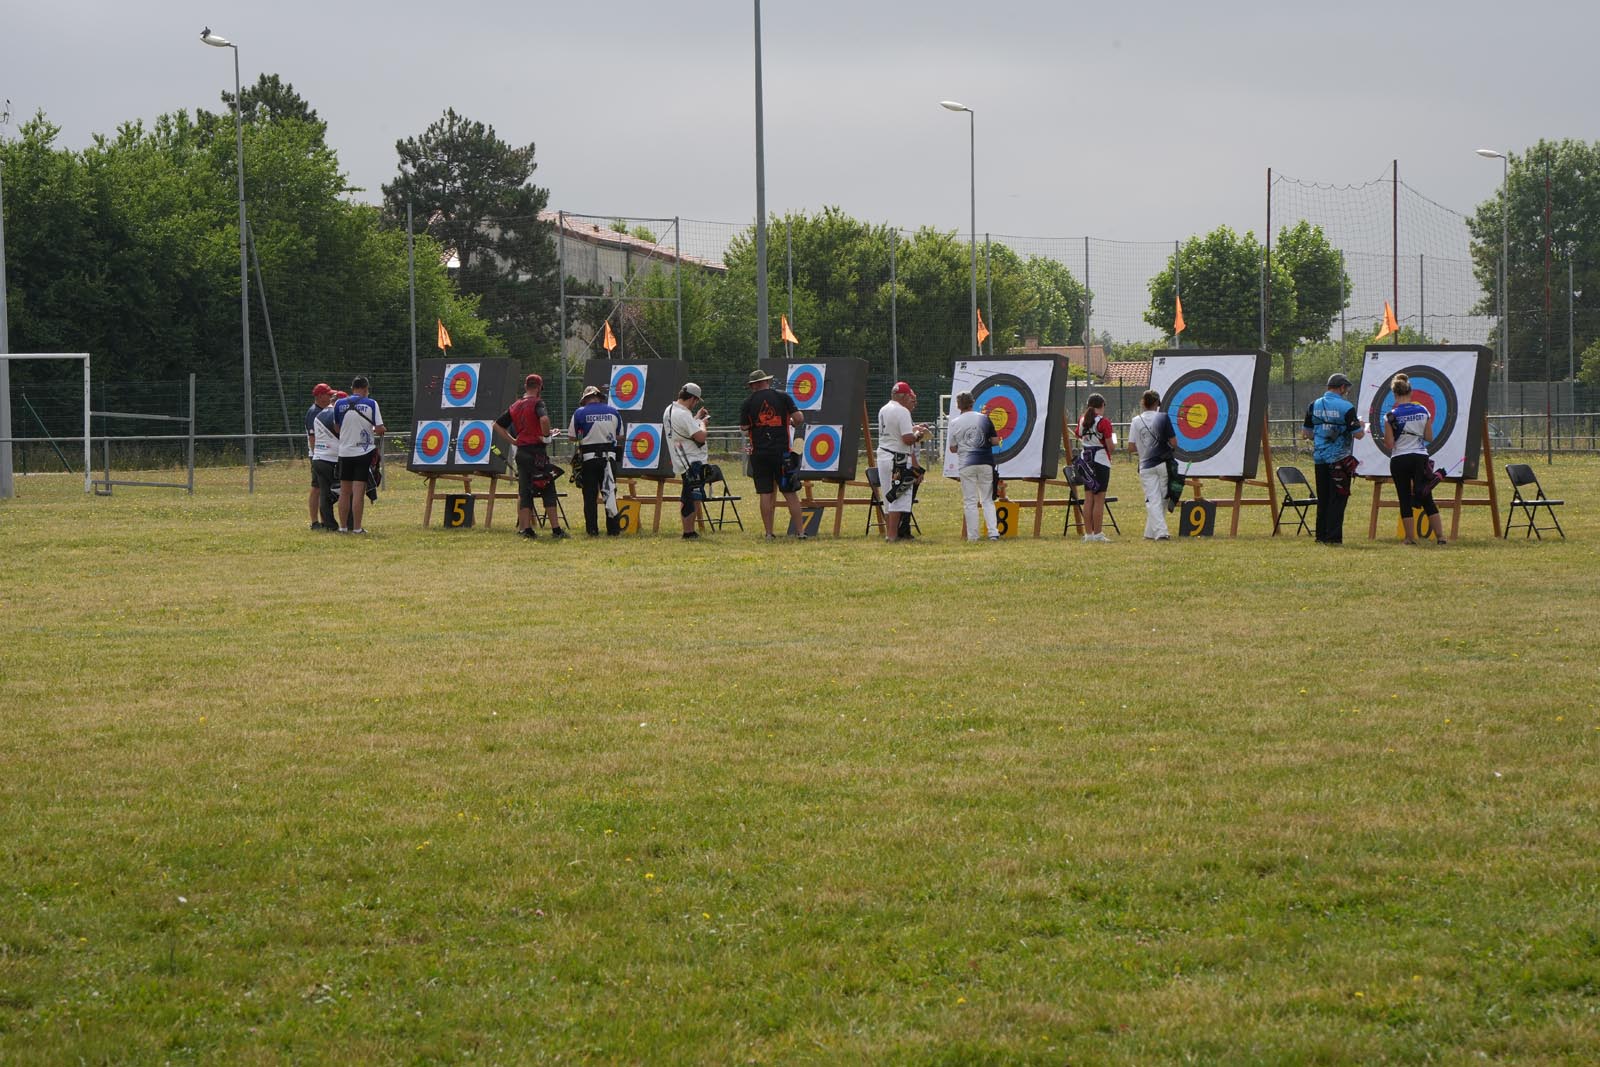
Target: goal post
6, 473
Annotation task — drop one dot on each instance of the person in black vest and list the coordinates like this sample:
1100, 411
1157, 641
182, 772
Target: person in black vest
530, 420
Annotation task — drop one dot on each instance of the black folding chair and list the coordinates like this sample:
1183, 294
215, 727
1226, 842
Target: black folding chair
715, 490
1293, 481
1521, 475
1075, 505
875, 509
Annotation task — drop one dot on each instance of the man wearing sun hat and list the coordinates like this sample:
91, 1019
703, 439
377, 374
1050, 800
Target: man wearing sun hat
322, 445
767, 418
685, 431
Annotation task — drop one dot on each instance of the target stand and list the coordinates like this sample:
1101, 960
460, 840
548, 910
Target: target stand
1454, 504
812, 496
1041, 502
1238, 501
490, 497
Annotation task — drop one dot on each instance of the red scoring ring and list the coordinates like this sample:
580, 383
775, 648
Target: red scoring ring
432, 442
641, 446
473, 442
627, 386
1206, 403
1009, 409
461, 384
805, 386
821, 447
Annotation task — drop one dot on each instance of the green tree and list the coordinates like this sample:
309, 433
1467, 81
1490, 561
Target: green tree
1573, 169
270, 99
1222, 278
1589, 368
1221, 291
475, 196
1056, 316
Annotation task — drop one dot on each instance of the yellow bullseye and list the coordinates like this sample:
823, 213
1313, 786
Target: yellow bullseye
1196, 416
999, 417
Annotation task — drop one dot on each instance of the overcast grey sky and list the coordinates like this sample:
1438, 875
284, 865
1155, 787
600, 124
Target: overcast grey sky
1134, 121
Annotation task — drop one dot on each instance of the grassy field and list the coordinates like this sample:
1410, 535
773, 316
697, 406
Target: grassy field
269, 797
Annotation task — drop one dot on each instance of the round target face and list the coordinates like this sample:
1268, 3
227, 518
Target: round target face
1204, 411
627, 388
1431, 389
433, 442
461, 385
643, 448
805, 386
822, 449
1010, 405
473, 447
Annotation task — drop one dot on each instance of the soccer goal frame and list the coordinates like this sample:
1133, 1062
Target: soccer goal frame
7, 357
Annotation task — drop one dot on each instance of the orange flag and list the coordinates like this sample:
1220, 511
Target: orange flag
1177, 321
788, 334
983, 331
1389, 324
444, 335
611, 339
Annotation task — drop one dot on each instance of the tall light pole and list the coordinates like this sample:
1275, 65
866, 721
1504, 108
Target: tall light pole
761, 207
1505, 245
972, 141
8, 486
215, 41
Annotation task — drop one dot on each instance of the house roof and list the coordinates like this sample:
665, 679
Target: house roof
1128, 372
590, 232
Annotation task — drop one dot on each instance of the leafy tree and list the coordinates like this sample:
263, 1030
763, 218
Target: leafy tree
270, 99
1589, 368
1574, 173
475, 195
1222, 274
1057, 314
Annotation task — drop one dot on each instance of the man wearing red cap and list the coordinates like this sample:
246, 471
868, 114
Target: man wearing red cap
898, 438
530, 419
322, 445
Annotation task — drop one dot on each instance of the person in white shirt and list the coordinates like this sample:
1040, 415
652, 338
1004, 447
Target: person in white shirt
1150, 434
898, 438
322, 445
972, 437
360, 424
685, 431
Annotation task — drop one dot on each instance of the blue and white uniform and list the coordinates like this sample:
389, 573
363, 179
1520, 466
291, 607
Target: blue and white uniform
1410, 424
1333, 425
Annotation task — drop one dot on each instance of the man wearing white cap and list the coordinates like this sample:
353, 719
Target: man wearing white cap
596, 427
685, 430
898, 438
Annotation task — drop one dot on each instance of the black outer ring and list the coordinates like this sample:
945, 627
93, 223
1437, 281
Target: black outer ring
1209, 377
1433, 377
1002, 455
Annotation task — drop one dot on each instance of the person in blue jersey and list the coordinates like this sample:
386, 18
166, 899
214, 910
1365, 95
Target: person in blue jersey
1406, 435
359, 424
1332, 426
527, 424
596, 428
972, 439
1096, 435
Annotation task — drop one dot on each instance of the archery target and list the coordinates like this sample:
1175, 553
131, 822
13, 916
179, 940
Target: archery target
1023, 398
460, 385
805, 385
641, 451
431, 444
1204, 411
627, 387
820, 453
474, 441
1216, 402
1010, 405
1451, 383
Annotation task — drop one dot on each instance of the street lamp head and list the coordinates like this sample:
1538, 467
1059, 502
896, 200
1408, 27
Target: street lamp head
214, 40
1489, 153
951, 105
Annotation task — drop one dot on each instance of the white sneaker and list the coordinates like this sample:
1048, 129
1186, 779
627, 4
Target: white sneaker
1102, 538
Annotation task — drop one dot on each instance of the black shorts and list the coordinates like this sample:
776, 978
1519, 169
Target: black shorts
355, 468
533, 459
324, 474
1105, 477
766, 470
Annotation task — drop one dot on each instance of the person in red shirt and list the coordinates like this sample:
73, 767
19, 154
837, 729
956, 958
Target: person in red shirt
527, 425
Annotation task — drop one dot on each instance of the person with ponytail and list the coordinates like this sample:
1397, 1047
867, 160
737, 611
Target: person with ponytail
1406, 435
1094, 431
